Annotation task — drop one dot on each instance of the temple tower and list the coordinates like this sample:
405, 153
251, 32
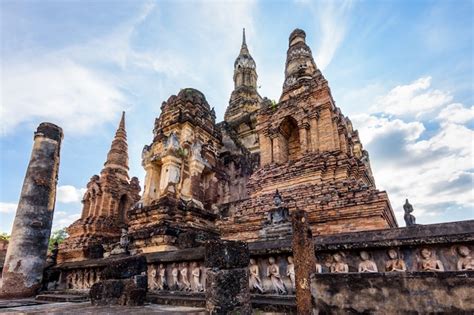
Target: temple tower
311, 154
105, 203
244, 101
180, 191
26, 253
300, 66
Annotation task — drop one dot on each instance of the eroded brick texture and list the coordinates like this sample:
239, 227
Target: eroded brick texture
227, 284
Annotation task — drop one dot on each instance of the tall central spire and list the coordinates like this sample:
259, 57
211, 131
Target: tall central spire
245, 73
244, 100
117, 158
244, 50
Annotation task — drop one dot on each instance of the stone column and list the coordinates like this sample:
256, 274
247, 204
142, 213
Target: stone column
343, 142
303, 139
304, 259
337, 145
314, 133
280, 149
26, 254
196, 167
326, 130
265, 149
170, 172
227, 283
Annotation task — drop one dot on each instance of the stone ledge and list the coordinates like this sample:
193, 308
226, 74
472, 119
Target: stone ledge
189, 254
443, 233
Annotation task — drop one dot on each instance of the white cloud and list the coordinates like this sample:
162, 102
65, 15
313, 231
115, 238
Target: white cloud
433, 168
64, 219
372, 127
416, 98
64, 86
7, 207
60, 91
333, 17
454, 138
456, 113
69, 194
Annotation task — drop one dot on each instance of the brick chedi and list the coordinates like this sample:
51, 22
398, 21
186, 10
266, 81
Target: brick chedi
105, 204
311, 154
241, 114
178, 204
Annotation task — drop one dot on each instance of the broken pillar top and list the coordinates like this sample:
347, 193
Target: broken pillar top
50, 131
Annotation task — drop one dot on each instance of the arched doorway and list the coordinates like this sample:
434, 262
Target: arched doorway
290, 132
122, 208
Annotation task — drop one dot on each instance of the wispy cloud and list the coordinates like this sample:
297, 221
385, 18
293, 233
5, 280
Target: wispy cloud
60, 91
65, 86
63, 219
416, 98
333, 18
69, 194
7, 207
456, 113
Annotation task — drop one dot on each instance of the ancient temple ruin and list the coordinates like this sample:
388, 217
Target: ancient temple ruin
206, 180
105, 205
245, 179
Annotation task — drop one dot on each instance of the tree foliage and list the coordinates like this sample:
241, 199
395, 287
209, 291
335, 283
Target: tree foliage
57, 236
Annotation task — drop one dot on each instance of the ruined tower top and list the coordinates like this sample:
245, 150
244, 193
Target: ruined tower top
298, 35
244, 49
117, 158
50, 131
300, 66
244, 101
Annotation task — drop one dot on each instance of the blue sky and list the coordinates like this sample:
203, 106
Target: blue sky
401, 70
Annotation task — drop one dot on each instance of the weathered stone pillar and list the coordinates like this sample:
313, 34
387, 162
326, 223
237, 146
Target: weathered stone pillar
265, 149
170, 172
26, 254
343, 142
227, 283
280, 149
304, 259
337, 145
326, 130
303, 138
314, 133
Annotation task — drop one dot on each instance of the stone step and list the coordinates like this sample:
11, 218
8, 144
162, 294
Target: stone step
274, 304
62, 298
177, 298
10, 303
268, 304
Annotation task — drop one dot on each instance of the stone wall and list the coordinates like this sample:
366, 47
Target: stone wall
339, 281
396, 293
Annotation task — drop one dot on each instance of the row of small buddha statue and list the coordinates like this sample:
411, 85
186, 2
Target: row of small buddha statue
394, 264
180, 279
428, 262
82, 279
187, 276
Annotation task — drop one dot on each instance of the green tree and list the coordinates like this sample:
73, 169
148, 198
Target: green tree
57, 236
